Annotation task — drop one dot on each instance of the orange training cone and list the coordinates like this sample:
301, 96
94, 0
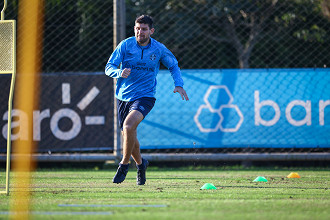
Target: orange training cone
293, 175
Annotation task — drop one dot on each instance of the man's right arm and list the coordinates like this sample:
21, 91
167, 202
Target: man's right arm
111, 69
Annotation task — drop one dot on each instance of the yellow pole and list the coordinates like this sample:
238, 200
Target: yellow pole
29, 47
3, 10
8, 29
10, 107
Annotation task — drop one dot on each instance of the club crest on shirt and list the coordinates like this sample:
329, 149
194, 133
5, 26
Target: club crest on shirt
152, 57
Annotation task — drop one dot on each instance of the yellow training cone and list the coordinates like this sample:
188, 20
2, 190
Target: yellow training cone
293, 175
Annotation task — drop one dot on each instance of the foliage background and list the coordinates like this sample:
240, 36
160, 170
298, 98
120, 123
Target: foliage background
203, 34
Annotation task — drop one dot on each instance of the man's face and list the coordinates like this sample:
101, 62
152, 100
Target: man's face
142, 33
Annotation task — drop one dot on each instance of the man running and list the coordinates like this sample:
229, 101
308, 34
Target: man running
139, 58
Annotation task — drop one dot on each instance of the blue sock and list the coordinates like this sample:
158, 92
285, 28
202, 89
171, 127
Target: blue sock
141, 166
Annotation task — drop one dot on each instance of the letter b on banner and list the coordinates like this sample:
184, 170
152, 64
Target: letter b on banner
258, 105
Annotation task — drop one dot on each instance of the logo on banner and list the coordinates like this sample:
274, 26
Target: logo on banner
74, 118
218, 111
72, 115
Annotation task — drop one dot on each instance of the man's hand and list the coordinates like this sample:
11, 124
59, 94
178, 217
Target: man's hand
182, 92
125, 73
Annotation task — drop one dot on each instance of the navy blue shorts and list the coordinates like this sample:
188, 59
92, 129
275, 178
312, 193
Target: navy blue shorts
143, 105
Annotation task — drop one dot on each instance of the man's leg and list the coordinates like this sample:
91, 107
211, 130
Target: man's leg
141, 164
130, 142
131, 122
136, 153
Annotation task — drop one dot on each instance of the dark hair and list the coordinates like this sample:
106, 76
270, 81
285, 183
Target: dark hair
145, 19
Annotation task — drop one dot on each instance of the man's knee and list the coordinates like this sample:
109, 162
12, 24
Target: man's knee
127, 128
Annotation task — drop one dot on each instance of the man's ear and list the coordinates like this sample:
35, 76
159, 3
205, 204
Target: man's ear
152, 30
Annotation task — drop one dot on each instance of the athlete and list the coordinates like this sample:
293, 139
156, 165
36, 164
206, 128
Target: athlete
139, 59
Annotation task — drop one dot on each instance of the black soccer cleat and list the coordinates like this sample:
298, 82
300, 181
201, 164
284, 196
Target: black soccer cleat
141, 172
121, 173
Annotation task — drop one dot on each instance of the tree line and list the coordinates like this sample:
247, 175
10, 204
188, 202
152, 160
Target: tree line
201, 33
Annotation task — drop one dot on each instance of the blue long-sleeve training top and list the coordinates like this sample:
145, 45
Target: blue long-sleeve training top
144, 63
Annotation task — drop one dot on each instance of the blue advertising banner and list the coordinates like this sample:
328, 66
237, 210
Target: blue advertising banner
231, 108
75, 114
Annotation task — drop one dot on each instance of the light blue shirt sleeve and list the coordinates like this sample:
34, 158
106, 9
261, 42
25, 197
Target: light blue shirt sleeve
111, 69
169, 60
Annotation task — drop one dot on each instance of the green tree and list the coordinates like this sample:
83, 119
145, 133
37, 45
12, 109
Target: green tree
252, 33
78, 35
243, 23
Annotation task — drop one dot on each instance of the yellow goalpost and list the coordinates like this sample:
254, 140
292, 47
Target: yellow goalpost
29, 37
8, 66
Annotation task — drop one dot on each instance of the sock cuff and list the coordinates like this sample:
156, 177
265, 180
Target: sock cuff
123, 165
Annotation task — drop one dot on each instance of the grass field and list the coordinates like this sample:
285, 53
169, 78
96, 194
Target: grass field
174, 193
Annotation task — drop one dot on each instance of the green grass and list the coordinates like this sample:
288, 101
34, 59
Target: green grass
236, 197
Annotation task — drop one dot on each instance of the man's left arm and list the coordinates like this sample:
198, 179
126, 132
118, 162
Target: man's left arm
171, 63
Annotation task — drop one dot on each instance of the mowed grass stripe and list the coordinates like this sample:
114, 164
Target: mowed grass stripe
236, 197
